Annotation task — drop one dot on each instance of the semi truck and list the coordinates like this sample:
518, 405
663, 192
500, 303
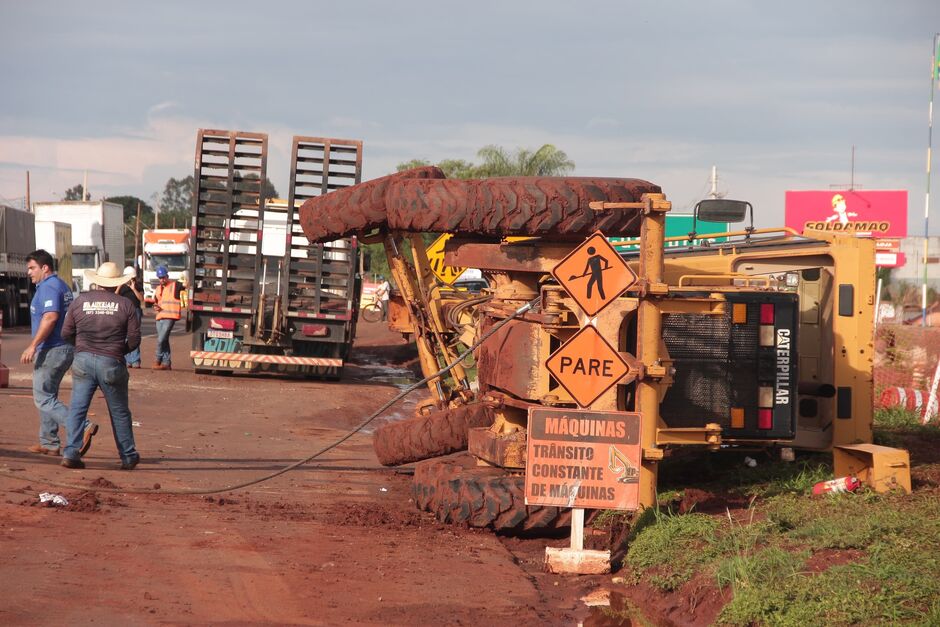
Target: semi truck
17, 239
263, 298
97, 232
56, 239
163, 247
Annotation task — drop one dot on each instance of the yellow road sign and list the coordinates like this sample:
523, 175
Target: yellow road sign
435, 252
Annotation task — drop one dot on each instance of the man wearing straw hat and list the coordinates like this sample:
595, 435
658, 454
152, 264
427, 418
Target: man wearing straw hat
104, 327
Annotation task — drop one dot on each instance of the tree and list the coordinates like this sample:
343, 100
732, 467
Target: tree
177, 196
269, 189
453, 168
76, 192
130, 220
130, 207
546, 161
496, 161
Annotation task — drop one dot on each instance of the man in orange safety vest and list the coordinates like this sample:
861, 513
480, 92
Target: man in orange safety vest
167, 303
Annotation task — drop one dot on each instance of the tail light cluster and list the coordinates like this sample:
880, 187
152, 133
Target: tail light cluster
776, 366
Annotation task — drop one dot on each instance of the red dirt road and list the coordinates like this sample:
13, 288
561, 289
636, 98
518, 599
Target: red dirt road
314, 546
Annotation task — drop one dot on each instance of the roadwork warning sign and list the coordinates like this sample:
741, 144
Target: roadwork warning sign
581, 458
587, 366
594, 274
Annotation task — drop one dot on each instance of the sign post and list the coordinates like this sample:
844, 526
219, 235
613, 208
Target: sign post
579, 458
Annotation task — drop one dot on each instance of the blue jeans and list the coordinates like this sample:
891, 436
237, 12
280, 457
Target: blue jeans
133, 357
163, 340
49, 366
90, 372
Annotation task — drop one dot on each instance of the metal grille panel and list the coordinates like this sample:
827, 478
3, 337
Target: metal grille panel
321, 276
228, 209
720, 365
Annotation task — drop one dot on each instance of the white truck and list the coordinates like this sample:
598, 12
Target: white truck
163, 247
97, 232
56, 239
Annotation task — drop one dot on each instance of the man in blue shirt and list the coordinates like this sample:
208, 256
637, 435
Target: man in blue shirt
50, 355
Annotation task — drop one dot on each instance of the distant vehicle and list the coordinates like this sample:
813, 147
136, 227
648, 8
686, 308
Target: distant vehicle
97, 232
474, 286
263, 297
17, 239
56, 239
163, 247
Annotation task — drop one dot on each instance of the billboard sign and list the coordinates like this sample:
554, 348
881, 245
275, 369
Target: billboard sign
863, 213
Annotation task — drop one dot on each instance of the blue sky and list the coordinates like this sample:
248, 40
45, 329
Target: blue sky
774, 95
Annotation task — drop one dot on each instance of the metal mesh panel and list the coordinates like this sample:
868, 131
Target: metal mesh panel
716, 368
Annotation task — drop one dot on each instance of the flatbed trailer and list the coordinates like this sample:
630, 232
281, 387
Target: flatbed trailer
263, 298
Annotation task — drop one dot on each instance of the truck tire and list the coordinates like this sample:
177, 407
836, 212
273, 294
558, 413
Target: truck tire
552, 207
421, 200
440, 433
356, 209
457, 491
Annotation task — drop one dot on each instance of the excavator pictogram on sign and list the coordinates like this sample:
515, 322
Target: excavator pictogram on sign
594, 274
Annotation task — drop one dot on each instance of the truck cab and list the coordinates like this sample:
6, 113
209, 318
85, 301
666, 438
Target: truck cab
163, 247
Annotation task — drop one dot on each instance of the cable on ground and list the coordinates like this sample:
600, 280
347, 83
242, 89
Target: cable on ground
9, 473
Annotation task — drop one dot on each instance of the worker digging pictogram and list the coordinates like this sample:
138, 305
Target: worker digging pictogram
594, 274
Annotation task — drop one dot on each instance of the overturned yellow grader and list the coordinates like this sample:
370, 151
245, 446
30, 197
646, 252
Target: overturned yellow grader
755, 337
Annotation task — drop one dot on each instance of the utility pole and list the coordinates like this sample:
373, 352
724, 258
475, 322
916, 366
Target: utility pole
934, 72
137, 237
85, 186
852, 179
29, 206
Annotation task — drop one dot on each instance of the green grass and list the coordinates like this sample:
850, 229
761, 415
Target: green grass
671, 548
794, 559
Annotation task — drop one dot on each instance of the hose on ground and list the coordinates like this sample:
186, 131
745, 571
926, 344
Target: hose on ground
8, 473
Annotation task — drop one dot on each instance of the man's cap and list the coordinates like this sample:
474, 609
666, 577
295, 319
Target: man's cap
162, 272
131, 272
108, 275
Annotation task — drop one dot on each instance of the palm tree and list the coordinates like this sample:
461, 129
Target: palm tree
496, 161
546, 161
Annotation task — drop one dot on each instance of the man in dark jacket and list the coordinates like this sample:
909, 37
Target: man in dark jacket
104, 327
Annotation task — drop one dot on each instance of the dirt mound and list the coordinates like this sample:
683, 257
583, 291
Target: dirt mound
101, 482
704, 502
277, 510
370, 516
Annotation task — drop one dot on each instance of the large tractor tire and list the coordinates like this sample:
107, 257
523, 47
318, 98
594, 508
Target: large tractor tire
421, 200
440, 433
457, 491
355, 209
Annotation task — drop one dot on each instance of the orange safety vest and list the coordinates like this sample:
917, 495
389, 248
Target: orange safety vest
167, 297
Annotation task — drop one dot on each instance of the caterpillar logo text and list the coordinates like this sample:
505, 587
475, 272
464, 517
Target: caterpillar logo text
782, 396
